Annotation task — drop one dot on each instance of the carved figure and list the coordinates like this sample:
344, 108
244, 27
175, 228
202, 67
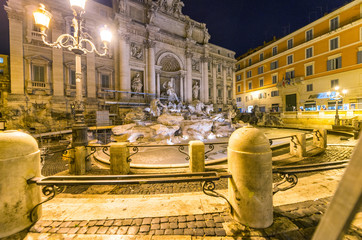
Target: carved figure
151, 13
136, 83
209, 108
195, 90
169, 86
136, 51
206, 35
177, 7
189, 29
198, 108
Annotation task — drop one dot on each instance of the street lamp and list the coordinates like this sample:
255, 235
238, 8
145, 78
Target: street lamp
338, 96
77, 44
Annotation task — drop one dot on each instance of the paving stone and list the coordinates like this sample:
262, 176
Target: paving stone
100, 223
73, 230
304, 222
315, 218
45, 223
82, 230
165, 225
56, 224
53, 230
122, 230
189, 231
152, 232
63, 230
64, 224
92, 230
173, 220
108, 223
159, 232
209, 231
137, 222
155, 221
164, 220
112, 230
190, 218
37, 228
181, 219
45, 230
208, 216
295, 235
199, 232
74, 224
228, 218
220, 232
178, 231
145, 228
102, 230
286, 208
210, 223
280, 225
199, 217
117, 222
133, 230
127, 222
182, 225
200, 224
92, 223
191, 224
173, 225
146, 221
168, 232
308, 232
142, 233
218, 219
155, 226
218, 225
83, 223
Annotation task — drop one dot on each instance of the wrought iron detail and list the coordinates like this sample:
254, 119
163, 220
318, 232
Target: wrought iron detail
317, 134
295, 142
211, 147
50, 192
181, 150
104, 150
208, 188
292, 179
270, 142
135, 150
93, 151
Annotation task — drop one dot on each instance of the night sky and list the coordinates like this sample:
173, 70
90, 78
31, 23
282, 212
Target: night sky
237, 25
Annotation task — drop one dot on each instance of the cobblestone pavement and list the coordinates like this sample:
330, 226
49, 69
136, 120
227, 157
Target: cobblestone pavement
293, 221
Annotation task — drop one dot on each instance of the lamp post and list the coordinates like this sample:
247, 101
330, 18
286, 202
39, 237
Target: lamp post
77, 44
337, 97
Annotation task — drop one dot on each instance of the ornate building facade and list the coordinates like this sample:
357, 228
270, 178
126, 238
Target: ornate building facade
155, 47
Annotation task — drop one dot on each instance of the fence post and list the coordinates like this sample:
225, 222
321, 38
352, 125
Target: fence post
19, 162
119, 153
298, 145
197, 156
320, 138
250, 187
80, 154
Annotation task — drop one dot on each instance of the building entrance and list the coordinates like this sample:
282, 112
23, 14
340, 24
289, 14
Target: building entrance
291, 102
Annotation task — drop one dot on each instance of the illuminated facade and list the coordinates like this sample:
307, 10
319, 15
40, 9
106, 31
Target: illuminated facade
4, 79
296, 72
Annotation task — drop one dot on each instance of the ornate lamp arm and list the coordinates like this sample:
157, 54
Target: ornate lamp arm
93, 47
61, 41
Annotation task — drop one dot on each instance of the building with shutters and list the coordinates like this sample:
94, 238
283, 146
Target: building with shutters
300, 71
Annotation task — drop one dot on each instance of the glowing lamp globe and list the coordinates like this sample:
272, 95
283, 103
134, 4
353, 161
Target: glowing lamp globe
106, 35
78, 4
42, 17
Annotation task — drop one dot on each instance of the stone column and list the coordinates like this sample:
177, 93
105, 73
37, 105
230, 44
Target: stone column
91, 76
214, 83
224, 84
188, 82
150, 45
197, 156
158, 85
205, 81
124, 71
57, 65
16, 51
182, 88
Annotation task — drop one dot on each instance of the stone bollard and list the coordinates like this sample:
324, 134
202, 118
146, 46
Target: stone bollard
80, 153
119, 164
320, 138
250, 188
298, 145
19, 162
197, 156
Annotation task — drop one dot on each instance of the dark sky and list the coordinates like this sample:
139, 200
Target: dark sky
237, 24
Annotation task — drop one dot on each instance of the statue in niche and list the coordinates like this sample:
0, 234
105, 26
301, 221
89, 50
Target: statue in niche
151, 12
169, 86
136, 83
177, 7
189, 29
206, 34
195, 65
195, 90
136, 51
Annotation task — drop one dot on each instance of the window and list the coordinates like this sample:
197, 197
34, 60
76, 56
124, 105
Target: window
334, 83
38, 73
332, 105
260, 69
248, 74
239, 88
238, 78
290, 43
334, 63
274, 79
333, 23
219, 92
1, 60
275, 50
275, 107
261, 95
246, 98
359, 57
274, 93
289, 75
250, 85
274, 65
219, 68
250, 62
333, 44
261, 56
105, 81
229, 94
309, 52
310, 106
238, 67
309, 87
261, 82
1, 72
72, 77
309, 70
309, 35
290, 59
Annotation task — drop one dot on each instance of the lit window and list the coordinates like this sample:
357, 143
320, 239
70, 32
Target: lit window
1, 60
334, 83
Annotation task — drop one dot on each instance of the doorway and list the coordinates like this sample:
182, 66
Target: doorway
291, 102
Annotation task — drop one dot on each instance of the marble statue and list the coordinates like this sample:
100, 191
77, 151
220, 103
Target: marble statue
177, 7
195, 90
189, 29
209, 108
171, 93
136, 83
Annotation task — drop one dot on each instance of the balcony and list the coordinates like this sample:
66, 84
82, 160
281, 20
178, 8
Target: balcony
36, 86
